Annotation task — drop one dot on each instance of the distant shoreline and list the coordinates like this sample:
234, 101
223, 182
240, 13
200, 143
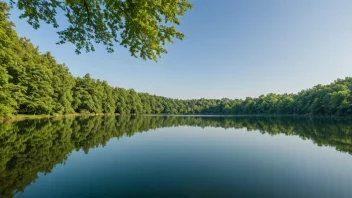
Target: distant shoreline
255, 115
21, 117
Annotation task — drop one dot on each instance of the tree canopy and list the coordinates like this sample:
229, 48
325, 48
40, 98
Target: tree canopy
144, 27
34, 83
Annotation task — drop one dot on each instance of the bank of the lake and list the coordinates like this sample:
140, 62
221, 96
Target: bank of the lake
21, 117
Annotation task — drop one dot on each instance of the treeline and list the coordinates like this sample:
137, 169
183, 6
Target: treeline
35, 146
34, 83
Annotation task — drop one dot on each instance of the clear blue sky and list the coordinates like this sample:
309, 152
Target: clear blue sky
232, 48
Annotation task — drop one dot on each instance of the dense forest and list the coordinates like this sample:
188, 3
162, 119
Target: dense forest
32, 147
34, 83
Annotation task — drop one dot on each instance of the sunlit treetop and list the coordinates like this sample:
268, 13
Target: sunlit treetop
142, 26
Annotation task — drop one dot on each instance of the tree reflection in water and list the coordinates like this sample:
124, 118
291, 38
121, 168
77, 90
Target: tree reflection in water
30, 147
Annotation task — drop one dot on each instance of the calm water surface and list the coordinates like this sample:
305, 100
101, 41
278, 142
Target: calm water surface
177, 156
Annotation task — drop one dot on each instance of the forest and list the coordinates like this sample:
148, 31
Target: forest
32, 147
32, 82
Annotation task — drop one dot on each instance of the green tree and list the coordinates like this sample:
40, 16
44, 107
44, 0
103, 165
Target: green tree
134, 103
83, 101
121, 101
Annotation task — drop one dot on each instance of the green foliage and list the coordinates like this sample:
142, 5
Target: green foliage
34, 83
142, 26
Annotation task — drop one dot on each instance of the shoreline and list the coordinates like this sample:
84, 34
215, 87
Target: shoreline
21, 117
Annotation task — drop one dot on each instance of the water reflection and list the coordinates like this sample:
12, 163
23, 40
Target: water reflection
30, 147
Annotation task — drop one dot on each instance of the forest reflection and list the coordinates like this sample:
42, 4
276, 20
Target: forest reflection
30, 147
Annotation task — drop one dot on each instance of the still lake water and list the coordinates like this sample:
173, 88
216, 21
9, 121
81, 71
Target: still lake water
177, 156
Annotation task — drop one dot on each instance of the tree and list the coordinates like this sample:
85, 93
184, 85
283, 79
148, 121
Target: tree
142, 26
83, 101
37, 78
134, 102
121, 101
11, 94
108, 103
62, 82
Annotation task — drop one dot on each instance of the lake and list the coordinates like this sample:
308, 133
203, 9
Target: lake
177, 156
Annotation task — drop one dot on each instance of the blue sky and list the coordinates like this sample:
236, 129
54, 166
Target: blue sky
232, 48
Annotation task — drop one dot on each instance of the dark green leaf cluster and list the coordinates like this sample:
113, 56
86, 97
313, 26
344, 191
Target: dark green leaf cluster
34, 83
144, 27
36, 146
